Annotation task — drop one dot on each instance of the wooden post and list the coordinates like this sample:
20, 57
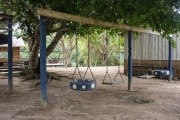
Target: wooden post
10, 56
170, 61
130, 60
43, 74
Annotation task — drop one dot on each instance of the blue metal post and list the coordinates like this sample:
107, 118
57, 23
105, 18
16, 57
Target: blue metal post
170, 61
130, 60
43, 75
10, 56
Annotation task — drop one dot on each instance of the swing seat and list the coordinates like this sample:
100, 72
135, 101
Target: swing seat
112, 82
83, 85
161, 73
109, 82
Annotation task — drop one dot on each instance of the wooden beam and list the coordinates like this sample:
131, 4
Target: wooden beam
90, 21
5, 16
3, 32
5, 21
7, 29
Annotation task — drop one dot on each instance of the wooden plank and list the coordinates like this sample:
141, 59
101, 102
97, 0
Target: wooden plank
3, 32
6, 29
56, 65
14, 68
146, 76
90, 21
5, 16
3, 19
5, 22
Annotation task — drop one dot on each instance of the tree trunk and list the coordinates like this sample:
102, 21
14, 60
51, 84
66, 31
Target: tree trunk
56, 39
34, 48
67, 49
68, 60
34, 62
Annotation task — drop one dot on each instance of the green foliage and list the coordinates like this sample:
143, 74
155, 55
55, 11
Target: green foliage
25, 52
4, 55
98, 49
56, 54
160, 15
172, 42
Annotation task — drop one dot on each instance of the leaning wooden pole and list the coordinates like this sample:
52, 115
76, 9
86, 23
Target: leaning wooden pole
90, 21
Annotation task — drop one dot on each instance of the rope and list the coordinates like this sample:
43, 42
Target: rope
107, 61
119, 58
106, 64
88, 61
77, 65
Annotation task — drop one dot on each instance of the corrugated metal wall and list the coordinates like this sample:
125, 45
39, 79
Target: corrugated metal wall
151, 47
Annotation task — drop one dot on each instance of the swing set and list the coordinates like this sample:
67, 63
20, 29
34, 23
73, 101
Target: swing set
84, 84
43, 13
107, 79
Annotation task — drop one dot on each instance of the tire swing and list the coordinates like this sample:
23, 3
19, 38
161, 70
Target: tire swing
82, 84
162, 72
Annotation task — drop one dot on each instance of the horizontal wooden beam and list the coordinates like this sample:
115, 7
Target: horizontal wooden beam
5, 16
7, 29
3, 32
4, 21
90, 21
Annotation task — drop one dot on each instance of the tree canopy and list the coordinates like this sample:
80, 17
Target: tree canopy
160, 15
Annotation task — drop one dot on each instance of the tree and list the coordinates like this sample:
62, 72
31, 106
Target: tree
98, 48
160, 15
67, 45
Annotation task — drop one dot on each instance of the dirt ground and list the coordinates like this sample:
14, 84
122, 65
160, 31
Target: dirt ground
151, 99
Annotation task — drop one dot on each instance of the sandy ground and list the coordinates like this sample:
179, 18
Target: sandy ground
152, 99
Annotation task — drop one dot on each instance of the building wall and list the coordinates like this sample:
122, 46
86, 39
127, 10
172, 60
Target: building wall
151, 49
16, 54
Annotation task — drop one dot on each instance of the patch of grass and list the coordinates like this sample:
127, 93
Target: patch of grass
137, 99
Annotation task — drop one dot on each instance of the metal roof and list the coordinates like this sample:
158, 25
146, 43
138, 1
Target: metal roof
16, 42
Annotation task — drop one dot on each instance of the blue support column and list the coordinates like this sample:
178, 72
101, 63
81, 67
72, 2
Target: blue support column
170, 61
10, 56
43, 74
130, 60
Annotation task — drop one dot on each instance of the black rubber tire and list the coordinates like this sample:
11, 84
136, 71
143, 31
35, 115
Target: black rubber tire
83, 85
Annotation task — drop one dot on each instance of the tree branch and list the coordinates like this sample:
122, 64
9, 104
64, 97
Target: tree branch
62, 29
28, 10
56, 39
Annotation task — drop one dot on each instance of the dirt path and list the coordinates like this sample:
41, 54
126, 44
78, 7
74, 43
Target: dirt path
152, 99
